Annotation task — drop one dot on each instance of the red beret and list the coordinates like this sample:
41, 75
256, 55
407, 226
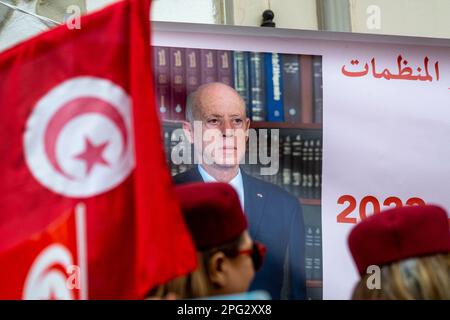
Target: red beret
212, 212
398, 234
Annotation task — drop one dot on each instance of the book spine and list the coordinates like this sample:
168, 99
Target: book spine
178, 80
317, 168
306, 88
272, 145
309, 251
276, 148
257, 86
225, 67
296, 164
280, 161
317, 260
162, 81
274, 87
166, 136
174, 168
304, 166
241, 78
310, 169
287, 163
208, 60
318, 89
252, 153
291, 88
193, 77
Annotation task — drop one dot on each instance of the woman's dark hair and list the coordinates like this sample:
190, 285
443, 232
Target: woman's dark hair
229, 249
196, 284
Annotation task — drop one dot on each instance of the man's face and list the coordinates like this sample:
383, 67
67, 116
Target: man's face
224, 127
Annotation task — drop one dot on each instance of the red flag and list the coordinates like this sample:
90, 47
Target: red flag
50, 264
78, 122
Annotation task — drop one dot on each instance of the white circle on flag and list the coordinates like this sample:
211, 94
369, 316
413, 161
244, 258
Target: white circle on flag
78, 140
44, 281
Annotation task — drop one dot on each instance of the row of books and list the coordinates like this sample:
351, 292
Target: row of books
300, 173
275, 87
313, 252
169, 144
299, 164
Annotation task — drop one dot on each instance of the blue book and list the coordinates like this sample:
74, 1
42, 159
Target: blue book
274, 87
257, 86
241, 78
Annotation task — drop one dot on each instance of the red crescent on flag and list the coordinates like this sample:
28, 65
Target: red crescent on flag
73, 109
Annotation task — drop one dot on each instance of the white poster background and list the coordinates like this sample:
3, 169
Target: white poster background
380, 137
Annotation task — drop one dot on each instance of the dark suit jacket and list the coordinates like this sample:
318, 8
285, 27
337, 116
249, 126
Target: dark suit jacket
275, 219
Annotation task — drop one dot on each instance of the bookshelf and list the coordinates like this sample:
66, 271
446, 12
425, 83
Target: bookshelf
289, 148
259, 125
282, 91
285, 125
310, 202
314, 284
173, 124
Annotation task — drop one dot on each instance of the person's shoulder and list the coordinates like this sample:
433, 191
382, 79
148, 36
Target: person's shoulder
179, 178
274, 191
185, 177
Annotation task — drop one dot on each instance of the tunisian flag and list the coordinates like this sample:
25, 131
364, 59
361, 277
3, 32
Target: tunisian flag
50, 264
78, 124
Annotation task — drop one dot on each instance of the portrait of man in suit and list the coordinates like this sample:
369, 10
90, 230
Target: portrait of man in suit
216, 113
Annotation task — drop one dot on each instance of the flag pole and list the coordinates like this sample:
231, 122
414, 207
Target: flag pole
80, 220
45, 19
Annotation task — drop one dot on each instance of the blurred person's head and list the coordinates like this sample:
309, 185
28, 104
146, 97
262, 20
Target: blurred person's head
216, 113
227, 256
410, 246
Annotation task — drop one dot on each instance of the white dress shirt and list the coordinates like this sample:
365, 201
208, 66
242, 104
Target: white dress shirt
236, 182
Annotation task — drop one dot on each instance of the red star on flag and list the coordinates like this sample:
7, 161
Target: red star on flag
92, 155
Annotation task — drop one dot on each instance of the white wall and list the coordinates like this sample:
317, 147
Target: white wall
197, 11
429, 18
249, 12
293, 14
426, 18
92, 5
22, 26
